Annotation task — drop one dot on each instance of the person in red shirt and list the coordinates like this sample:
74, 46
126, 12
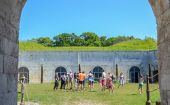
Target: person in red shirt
109, 83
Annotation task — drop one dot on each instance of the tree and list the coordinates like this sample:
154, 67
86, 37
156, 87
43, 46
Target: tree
90, 39
65, 39
103, 40
46, 41
78, 41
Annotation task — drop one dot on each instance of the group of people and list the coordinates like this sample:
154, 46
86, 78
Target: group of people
78, 80
106, 82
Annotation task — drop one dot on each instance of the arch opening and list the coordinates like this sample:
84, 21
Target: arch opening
24, 71
97, 72
134, 73
60, 70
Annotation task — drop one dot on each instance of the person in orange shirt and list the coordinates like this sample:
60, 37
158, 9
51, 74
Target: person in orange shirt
81, 80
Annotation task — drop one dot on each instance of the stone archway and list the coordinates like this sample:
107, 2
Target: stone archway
10, 11
161, 9
97, 72
23, 71
61, 71
134, 73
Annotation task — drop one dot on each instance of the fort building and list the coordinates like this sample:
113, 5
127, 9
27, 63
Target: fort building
40, 67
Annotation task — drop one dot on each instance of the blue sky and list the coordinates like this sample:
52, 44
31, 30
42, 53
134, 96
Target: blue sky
41, 18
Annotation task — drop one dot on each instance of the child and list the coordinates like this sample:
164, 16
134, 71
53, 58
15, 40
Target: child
140, 88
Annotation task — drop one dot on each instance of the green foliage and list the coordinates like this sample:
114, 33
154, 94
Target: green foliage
127, 95
90, 39
46, 41
103, 40
115, 40
130, 45
85, 39
65, 39
142, 45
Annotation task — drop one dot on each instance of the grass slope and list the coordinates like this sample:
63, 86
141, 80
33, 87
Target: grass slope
132, 45
127, 95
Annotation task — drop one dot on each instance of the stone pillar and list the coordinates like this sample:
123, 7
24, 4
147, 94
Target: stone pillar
10, 11
161, 9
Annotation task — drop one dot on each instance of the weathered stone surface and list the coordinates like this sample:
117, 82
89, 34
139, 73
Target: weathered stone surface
10, 98
88, 60
1, 63
3, 83
10, 64
11, 83
10, 11
161, 10
11, 49
159, 6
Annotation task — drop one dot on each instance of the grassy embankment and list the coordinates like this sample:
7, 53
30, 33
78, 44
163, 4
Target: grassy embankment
127, 95
132, 45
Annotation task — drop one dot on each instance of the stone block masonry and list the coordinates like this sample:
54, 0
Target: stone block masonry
161, 10
88, 61
10, 11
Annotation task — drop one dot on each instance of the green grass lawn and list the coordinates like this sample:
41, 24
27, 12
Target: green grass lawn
132, 45
127, 95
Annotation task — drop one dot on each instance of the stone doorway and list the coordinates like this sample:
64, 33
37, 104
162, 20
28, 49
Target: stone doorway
134, 74
97, 72
23, 71
61, 71
10, 12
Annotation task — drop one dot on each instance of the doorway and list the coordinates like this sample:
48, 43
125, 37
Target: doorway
23, 71
97, 72
134, 74
61, 71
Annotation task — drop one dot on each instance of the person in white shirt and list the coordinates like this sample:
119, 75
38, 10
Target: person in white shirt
121, 80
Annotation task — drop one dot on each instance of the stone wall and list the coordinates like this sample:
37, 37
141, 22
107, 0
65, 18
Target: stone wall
88, 61
161, 10
10, 11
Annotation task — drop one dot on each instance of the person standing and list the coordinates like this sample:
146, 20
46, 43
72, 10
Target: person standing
109, 84
81, 79
104, 75
76, 80
121, 80
84, 81
140, 88
91, 80
56, 81
63, 81
71, 79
